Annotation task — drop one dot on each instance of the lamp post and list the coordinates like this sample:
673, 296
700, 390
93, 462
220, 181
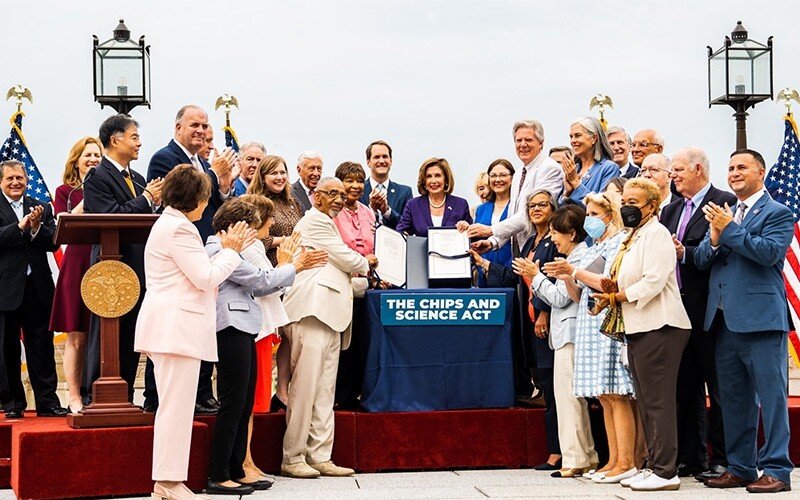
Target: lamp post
121, 71
740, 75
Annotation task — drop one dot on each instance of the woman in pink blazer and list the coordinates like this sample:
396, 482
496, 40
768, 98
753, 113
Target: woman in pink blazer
176, 326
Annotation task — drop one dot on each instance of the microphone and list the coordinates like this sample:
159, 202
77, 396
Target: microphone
127, 174
69, 195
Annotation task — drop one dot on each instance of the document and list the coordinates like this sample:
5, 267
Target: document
390, 249
447, 254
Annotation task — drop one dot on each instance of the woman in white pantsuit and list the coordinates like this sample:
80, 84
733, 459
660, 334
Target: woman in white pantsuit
176, 326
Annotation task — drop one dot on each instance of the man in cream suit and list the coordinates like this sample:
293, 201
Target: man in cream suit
320, 307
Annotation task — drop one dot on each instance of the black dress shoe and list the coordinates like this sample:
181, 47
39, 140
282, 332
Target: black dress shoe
215, 488
209, 404
151, 408
686, 470
204, 410
548, 466
53, 411
15, 413
711, 473
258, 485
276, 405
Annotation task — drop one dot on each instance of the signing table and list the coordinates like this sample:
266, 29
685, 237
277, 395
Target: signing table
438, 349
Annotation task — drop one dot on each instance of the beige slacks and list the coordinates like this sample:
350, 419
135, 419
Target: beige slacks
574, 428
176, 379
309, 414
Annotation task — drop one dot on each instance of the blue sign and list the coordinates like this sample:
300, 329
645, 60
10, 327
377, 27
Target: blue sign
401, 309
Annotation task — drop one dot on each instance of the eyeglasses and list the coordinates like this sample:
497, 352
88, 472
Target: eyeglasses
499, 176
540, 206
333, 193
651, 170
643, 144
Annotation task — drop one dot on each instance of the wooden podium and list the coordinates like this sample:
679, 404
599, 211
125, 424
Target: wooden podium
110, 406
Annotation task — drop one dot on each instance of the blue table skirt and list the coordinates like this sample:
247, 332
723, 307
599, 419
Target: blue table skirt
424, 368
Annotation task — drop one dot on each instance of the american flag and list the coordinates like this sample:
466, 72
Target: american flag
230, 138
783, 184
14, 148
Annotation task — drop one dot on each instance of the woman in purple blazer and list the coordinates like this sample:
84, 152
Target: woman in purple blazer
436, 207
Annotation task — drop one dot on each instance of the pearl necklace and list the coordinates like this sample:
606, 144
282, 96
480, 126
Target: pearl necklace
440, 205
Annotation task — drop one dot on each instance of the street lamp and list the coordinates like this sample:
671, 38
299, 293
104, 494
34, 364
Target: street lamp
740, 75
121, 71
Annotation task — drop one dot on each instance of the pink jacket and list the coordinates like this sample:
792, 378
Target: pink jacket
178, 314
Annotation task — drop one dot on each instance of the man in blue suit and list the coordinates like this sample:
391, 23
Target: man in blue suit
191, 125
191, 133
386, 197
747, 309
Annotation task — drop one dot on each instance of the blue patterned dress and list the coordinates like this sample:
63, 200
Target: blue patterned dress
598, 367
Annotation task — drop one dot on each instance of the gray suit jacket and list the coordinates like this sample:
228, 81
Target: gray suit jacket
563, 312
236, 305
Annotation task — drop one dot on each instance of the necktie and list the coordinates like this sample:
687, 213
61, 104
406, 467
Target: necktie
740, 213
378, 215
521, 181
196, 163
18, 210
687, 214
129, 182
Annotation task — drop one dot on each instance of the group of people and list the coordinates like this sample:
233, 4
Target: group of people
638, 284
641, 285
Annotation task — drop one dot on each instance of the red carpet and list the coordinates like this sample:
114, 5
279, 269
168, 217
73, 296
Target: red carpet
117, 461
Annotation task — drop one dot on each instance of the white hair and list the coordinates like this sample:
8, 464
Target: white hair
696, 156
307, 155
538, 129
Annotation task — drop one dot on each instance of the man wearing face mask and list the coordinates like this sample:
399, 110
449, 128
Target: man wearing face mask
645, 306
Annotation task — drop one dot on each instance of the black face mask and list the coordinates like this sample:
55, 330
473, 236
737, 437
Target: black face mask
631, 216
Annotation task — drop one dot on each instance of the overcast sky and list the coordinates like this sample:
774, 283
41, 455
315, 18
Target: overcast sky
433, 78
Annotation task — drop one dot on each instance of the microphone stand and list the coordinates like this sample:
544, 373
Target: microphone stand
127, 175
69, 195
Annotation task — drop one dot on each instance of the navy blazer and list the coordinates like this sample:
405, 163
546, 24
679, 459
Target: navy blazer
694, 282
106, 192
169, 157
18, 251
632, 171
300, 195
398, 195
416, 218
747, 269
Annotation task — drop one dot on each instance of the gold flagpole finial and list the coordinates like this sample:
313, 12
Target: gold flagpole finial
788, 95
601, 101
19, 92
226, 101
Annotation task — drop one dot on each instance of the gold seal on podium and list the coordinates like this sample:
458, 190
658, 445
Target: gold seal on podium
110, 289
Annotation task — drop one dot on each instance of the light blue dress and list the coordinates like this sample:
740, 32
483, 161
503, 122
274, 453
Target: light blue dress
598, 366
